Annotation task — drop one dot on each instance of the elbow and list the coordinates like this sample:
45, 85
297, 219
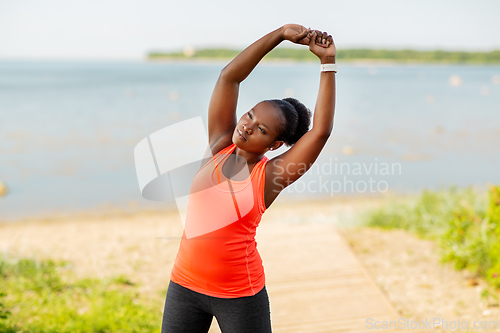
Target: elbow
225, 75
224, 72
229, 74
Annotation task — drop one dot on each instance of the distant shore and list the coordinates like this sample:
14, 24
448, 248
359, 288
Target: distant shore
292, 62
347, 55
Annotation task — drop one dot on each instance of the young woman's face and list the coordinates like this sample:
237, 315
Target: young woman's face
257, 129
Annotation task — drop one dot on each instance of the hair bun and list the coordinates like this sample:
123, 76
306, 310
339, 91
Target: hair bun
296, 119
304, 120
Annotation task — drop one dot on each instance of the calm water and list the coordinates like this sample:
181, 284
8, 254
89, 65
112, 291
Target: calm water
68, 130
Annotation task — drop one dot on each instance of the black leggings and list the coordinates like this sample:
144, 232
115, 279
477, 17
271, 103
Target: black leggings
189, 311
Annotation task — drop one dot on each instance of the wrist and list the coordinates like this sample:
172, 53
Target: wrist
327, 60
281, 31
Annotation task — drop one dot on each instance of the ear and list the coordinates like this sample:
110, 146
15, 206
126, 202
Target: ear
276, 144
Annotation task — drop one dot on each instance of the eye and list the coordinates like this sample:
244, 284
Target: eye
260, 128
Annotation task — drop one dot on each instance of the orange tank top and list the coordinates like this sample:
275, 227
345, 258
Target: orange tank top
218, 253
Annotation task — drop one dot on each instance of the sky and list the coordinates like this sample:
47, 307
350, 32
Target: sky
129, 29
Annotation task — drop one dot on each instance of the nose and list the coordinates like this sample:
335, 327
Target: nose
246, 129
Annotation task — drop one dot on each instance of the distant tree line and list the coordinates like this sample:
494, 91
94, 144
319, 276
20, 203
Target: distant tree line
492, 57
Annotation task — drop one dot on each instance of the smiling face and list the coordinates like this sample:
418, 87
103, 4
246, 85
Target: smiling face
257, 129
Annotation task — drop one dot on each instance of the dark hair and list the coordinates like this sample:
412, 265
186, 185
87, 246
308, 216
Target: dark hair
296, 122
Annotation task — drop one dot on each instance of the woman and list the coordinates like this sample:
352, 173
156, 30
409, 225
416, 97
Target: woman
218, 271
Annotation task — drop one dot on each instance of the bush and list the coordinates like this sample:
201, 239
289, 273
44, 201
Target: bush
493, 274
4, 314
464, 223
428, 214
467, 240
44, 296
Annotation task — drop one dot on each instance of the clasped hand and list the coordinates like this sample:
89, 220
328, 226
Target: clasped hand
320, 43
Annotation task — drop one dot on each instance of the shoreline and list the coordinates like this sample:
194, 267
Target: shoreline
135, 209
110, 211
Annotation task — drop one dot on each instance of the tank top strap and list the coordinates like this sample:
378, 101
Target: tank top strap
218, 158
259, 180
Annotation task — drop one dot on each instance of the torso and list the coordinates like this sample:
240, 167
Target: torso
271, 190
218, 257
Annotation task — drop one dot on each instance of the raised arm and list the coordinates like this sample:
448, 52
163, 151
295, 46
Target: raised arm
291, 165
222, 107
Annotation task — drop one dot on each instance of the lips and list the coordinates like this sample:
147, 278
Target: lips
240, 134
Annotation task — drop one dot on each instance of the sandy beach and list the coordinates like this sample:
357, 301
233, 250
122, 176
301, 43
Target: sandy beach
142, 246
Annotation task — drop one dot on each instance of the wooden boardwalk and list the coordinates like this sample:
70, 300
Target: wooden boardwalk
316, 284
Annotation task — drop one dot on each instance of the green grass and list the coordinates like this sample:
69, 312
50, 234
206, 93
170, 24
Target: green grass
463, 222
45, 296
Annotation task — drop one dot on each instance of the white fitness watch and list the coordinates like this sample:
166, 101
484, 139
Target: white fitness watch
329, 68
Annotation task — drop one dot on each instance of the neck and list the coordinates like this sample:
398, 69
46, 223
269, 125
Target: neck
251, 158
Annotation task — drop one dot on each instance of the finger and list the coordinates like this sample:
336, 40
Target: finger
318, 37
312, 42
315, 36
323, 39
310, 33
304, 41
302, 38
329, 40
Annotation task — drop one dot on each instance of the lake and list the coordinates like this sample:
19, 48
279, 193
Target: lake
68, 129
